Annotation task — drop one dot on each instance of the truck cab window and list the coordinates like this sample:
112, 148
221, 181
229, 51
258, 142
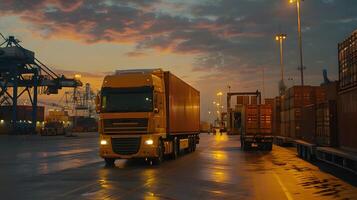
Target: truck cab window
138, 99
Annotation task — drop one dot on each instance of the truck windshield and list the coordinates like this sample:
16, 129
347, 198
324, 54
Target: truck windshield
127, 99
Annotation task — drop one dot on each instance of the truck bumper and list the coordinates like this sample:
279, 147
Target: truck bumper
127, 147
257, 138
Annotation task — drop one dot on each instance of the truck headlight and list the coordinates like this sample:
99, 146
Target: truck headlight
103, 142
149, 142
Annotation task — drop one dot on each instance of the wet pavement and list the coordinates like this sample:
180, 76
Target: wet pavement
34, 167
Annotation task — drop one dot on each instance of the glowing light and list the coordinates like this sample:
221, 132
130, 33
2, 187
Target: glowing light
77, 76
149, 142
103, 142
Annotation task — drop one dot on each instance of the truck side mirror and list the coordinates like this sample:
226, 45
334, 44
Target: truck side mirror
97, 103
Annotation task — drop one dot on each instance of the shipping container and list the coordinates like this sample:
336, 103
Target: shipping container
253, 124
308, 129
183, 106
347, 62
347, 123
276, 116
251, 119
266, 119
24, 113
269, 101
326, 124
331, 90
320, 95
257, 127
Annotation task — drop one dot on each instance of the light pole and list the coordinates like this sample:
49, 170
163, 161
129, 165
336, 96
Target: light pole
219, 94
281, 37
298, 2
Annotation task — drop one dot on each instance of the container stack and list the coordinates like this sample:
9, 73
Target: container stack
276, 116
347, 93
326, 124
24, 116
291, 104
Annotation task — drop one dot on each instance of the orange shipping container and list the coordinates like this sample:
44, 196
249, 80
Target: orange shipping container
183, 104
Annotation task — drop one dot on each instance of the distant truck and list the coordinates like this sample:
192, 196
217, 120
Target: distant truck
251, 120
53, 128
257, 127
147, 114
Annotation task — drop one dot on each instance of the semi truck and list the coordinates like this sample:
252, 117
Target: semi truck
251, 120
147, 114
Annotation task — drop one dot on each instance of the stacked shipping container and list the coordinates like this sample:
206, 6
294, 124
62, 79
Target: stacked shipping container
276, 116
24, 116
24, 113
319, 122
347, 94
326, 124
291, 103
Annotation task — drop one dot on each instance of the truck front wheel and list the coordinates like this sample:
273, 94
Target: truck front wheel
160, 153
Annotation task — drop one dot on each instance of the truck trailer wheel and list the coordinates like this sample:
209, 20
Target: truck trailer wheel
109, 162
175, 151
194, 144
190, 145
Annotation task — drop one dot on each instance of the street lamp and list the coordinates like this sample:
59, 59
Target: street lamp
281, 37
220, 94
298, 2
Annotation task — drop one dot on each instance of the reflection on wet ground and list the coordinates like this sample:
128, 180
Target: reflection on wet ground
67, 168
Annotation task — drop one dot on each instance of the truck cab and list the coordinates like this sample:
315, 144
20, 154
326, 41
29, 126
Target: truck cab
133, 121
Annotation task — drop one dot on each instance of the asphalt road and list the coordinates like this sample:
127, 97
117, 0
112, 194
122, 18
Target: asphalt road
32, 167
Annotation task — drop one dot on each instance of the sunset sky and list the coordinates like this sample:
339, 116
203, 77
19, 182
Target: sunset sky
209, 43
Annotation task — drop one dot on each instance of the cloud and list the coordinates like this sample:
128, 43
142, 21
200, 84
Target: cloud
135, 54
231, 40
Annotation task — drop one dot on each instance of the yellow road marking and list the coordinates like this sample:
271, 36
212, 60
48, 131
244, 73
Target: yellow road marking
285, 190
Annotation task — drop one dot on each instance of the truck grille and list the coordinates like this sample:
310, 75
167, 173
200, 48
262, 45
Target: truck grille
126, 146
125, 126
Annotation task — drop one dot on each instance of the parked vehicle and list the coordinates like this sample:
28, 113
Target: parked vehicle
147, 114
53, 128
257, 127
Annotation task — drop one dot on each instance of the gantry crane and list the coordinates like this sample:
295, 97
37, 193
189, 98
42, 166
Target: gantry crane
20, 73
